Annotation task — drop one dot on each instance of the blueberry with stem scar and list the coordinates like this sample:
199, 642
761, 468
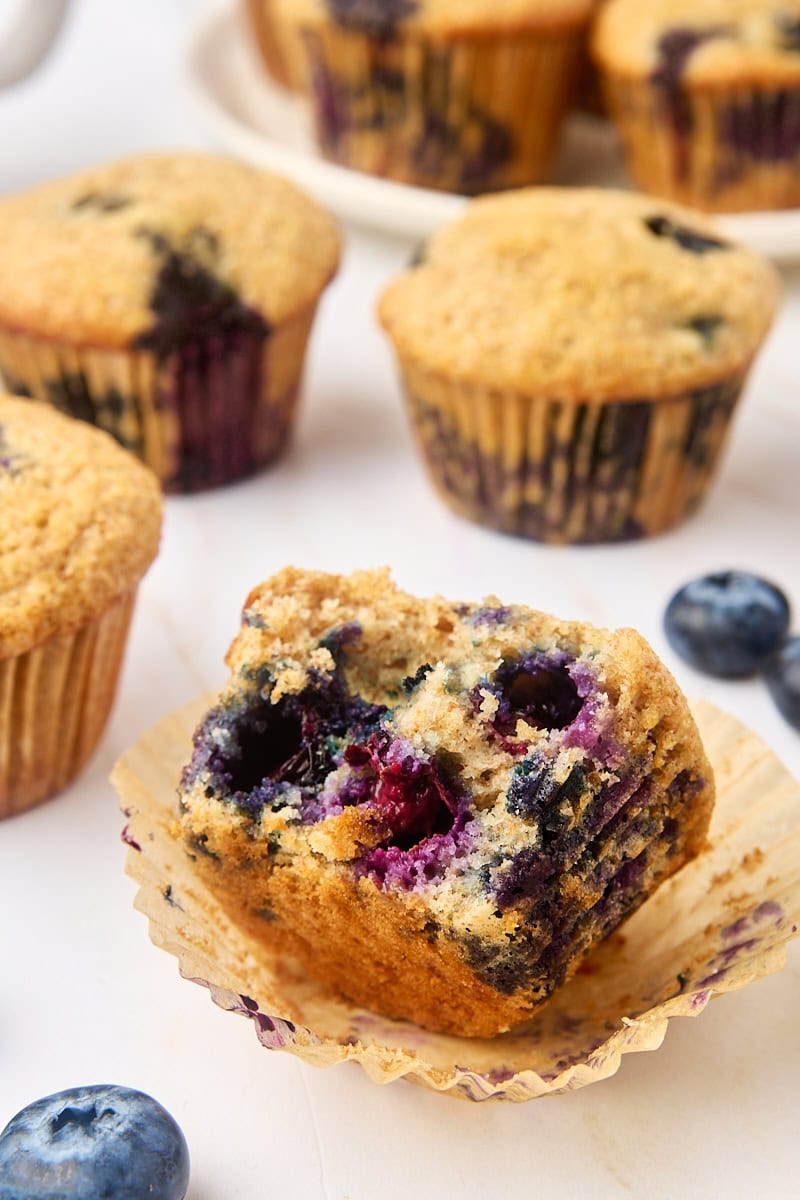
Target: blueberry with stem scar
101, 1142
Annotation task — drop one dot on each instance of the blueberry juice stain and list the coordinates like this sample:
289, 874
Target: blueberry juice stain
212, 346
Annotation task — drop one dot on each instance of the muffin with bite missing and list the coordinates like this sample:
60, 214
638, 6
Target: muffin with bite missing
439, 808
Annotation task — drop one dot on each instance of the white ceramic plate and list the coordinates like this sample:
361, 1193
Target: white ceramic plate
262, 123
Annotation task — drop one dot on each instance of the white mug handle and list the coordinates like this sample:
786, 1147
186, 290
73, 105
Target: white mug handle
29, 38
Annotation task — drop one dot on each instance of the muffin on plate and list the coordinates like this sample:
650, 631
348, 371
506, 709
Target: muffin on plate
168, 299
440, 808
571, 359
706, 94
79, 525
462, 95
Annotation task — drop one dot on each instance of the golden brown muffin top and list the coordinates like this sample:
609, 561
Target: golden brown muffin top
439, 17
583, 295
104, 257
701, 43
79, 523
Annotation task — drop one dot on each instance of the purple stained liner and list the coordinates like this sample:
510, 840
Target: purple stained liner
600, 497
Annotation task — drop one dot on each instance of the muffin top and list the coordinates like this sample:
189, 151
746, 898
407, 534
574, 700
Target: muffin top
79, 523
152, 249
385, 18
701, 43
581, 294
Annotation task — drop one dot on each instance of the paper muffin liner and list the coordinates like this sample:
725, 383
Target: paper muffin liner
276, 42
561, 471
719, 923
211, 412
723, 150
54, 704
466, 115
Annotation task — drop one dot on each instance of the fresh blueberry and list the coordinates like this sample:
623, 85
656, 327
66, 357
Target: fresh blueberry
728, 623
100, 1142
782, 674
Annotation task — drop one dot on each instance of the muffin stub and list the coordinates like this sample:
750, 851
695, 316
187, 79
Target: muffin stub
439, 808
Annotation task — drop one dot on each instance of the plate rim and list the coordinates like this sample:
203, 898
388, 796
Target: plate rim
396, 209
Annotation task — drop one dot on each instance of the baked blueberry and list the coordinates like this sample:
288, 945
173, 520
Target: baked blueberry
727, 623
686, 238
782, 674
675, 48
101, 1142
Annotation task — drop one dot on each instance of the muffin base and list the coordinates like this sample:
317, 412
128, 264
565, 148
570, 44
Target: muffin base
722, 150
720, 923
214, 411
54, 703
467, 115
559, 471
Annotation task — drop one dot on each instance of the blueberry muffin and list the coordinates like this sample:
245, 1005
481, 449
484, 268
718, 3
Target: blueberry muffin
463, 95
274, 42
168, 300
571, 359
439, 807
79, 525
706, 94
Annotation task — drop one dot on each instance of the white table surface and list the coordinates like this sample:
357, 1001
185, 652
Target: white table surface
84, 997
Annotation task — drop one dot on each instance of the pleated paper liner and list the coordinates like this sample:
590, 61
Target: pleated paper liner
468, 115
207, 414
569, 472
721, 922
54, 703
724, 150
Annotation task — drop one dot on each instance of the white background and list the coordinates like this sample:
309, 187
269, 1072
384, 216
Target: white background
83, 995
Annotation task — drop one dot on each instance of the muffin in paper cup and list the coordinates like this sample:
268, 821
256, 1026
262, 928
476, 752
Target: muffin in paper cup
462, 95
167, 299
706, 96
79, 525
720, 923
571, 359
276, 42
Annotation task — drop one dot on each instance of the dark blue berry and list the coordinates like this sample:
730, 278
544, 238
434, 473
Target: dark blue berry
101, 1142
707, 328
683, 236
782, 674
728, 623
788, 31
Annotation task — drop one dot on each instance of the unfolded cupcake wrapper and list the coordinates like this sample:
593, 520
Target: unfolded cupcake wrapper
54, 704
213, 411
276, 40
721, 922
567, 472
723, 150
467, 115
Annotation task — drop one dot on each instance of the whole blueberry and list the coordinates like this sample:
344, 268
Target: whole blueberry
782, 674
100, 1142
728, 623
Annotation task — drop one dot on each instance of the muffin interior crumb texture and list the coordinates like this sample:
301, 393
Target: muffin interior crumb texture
439, 807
